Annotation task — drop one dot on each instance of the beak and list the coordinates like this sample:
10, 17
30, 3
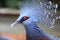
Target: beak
16, 22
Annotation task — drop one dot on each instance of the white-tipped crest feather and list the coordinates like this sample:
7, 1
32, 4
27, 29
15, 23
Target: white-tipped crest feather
39, 11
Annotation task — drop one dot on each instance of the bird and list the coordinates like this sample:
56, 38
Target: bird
33, 12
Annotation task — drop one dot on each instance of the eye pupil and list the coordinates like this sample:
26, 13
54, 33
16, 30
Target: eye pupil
24, 18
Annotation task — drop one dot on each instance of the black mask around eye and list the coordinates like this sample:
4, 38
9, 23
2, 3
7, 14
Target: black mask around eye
23, 19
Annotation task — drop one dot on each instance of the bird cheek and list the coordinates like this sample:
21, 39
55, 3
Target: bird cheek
27, 22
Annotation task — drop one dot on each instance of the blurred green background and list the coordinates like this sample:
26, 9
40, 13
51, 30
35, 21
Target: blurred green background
10, 3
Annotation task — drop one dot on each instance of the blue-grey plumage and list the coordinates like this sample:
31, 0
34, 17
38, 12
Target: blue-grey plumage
39, 11
33, 12
5, 38
34, 32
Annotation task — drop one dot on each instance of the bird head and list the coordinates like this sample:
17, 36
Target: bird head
24, 19
35, 11
21, 20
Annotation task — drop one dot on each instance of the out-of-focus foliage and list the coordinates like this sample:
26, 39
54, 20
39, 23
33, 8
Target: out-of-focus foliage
13, 3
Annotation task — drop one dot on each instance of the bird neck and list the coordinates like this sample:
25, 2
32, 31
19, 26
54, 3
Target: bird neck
33, 30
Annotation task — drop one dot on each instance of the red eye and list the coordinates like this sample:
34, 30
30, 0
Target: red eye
24, 18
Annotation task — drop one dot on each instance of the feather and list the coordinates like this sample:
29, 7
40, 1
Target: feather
41, 11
